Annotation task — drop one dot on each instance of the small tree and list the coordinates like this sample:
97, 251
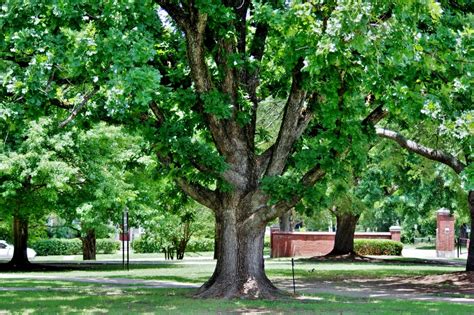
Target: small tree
108, 158
35, 169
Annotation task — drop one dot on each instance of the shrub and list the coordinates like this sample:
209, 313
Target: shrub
266, 242
62, 246
107, 246
377, 247
146, 245
57, 246
200, 244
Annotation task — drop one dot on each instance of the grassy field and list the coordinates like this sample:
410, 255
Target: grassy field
34, 293
96, 299
198, 271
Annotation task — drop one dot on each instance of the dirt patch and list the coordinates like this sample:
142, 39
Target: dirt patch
455, 284
449, 283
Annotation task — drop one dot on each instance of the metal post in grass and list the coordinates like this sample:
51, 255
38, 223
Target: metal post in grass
128, 239
458, 245
293, 272
123, 240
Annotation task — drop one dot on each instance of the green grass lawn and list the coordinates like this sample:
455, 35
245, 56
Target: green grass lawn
96, 300
44, 296
200, 271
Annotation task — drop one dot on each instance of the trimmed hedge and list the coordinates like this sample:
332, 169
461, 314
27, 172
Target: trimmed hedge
61, 246
149, 245
377, 247
57, 246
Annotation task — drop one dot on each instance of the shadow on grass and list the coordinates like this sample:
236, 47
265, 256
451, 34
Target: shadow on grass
382, 261
198, 280
177, 301
74, 266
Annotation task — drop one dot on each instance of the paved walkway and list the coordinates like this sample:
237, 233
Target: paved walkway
427, 254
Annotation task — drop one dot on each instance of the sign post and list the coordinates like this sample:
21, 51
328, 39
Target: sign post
125, 239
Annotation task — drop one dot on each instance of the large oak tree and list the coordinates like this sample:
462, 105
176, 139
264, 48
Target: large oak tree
192, 76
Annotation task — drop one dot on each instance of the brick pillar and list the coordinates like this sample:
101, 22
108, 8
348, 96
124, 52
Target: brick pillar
395, 233
445, 234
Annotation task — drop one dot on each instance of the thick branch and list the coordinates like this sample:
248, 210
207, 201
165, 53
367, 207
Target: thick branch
309, 179
201, 194
160, 118
429, 153
291, 124
76, 110
176, 12
375, 116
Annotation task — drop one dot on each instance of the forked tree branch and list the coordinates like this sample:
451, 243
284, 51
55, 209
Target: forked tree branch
291, 124
201, 194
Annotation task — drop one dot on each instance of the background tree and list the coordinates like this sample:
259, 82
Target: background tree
347, 207
35, 169
108, 158
445, 53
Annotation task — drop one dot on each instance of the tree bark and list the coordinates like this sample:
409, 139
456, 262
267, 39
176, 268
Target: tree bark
20, 240
286, 225
344, 240
239, 270
470, 253
89, 248
217, 239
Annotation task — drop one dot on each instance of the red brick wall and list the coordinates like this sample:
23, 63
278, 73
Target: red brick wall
291, 244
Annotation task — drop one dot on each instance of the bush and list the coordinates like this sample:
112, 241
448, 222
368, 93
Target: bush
146, 245
266, 242
57, 246
62, 246
200, 244
377, 247
107, 246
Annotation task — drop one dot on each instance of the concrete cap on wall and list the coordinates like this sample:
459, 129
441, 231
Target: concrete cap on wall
443, 211
395, 228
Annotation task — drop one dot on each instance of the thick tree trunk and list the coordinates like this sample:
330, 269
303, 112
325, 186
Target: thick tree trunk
470, 253
217, 239
344, 240
286, 225
20, 240
89, 248
239, 270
